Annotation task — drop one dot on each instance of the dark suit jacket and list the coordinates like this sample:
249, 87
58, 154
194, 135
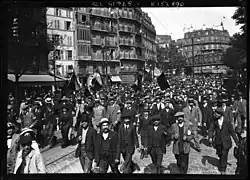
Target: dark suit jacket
113, 147
155, 109
89, 142
186, 145
131, 111
229, 114
224, 134
143, 125
167, 118
242, 107
160, 135
207, 115
132, 141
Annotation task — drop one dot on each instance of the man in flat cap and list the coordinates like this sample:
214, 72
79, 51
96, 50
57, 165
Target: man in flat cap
157, 107
106, 145
227, 111
98, 114
242, 108
193, 115
219, 134
127, 141
207, 116
65, 121
113, 113
130, 109
144, 123
86, 136
28, 160
156, 143
181, 135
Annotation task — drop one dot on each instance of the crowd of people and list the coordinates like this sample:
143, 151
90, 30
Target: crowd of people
116, 120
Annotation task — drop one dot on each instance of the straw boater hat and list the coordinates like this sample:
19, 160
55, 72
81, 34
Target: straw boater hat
48, 100
103, 120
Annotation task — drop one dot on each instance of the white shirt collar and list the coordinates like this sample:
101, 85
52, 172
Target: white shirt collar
155, 127
105, 135
181, 125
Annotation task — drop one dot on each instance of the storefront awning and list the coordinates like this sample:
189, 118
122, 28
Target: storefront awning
115, 79
34, 78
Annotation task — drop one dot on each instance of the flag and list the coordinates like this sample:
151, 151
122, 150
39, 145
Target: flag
72, 85
74, 82
163, 82
94, 82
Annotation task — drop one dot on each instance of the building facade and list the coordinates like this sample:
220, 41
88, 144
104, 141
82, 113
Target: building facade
116, 41
204, 49
163, 41
60, 27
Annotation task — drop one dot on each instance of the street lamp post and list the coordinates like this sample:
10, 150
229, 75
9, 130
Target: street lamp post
192, 39
54, 61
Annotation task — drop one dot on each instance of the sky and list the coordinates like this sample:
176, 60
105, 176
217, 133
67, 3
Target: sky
171, 21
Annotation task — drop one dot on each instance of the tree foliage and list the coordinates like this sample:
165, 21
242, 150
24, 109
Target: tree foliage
235, 56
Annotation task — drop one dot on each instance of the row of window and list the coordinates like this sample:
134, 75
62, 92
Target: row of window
63, 13
206, 33
62, 25
223, 39
110, 40
63, 54
60, 40
206, 47
83, 34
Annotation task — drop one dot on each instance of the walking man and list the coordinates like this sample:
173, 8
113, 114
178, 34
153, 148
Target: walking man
221, 141
86, 136
182, 135
106, 146
156, 142
127, 141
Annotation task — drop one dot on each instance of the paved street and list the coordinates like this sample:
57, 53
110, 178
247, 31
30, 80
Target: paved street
199, 163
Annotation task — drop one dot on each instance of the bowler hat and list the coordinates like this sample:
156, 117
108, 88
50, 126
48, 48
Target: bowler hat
126, 115
155, 117
84, 118
128, 101
25, 139
214, 101
145, 109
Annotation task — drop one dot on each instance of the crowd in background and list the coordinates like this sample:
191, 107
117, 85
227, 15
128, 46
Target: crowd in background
191, 100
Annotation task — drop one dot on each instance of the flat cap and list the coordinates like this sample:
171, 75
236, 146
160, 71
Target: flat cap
214, 101
126, 115
219, 111
155, 117
178, 114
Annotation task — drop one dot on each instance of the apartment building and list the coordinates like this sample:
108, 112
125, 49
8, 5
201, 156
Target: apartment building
208, 47
60, 28
148, 40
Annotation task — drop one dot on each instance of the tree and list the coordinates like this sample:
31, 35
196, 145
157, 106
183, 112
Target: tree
235, 56
27, 40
